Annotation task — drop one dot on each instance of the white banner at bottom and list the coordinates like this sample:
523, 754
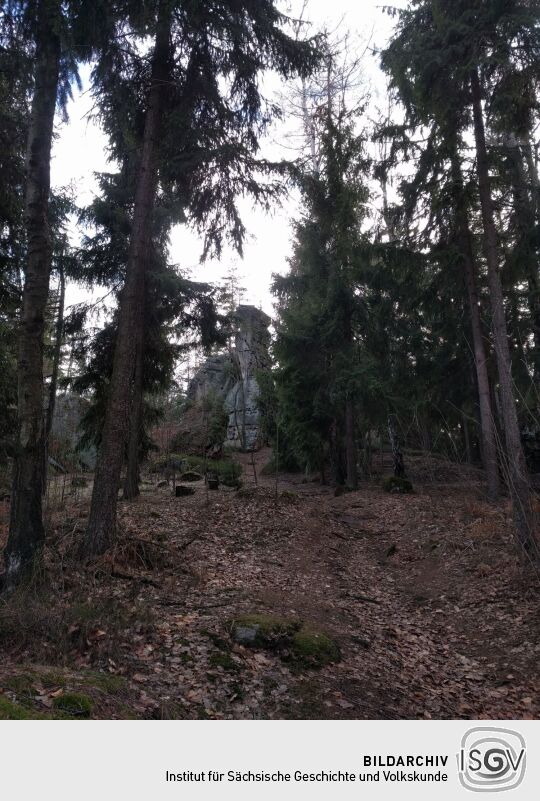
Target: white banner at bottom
237, 760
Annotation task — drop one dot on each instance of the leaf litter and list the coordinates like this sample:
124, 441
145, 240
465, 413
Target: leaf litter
433, 614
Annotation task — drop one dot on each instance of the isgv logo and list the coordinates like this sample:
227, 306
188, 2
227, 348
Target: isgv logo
491, 759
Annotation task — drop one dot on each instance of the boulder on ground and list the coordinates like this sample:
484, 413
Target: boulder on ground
191, 475
181, 491
301, 645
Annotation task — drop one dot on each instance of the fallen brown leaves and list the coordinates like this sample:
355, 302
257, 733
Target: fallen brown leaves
434, 615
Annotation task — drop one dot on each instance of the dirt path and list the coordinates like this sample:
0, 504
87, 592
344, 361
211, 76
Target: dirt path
422, 594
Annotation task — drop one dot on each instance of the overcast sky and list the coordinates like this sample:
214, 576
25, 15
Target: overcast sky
81, 150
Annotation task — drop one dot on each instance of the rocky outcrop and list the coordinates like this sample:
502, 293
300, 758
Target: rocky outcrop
251, 355
68, 413
231, 378
216, 377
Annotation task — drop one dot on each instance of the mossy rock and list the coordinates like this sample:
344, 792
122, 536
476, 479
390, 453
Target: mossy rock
300, 645
191, 475
267, 631
313, 649
181, 492
397, 485
74, 704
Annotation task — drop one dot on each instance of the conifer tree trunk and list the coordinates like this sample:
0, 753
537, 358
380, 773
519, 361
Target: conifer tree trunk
466, 437
487, 419
425, 435
526, 220
516, 467
102, 519
26, 532
132, 478
397, 454
350, 446
59, 328
532, 174
335, 450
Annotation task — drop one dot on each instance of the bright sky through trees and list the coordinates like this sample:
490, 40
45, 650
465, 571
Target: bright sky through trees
80, 150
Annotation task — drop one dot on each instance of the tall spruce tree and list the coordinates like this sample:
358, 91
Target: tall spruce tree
317, 346
55, 34
15, 78
203, 113
445, 51
175, 310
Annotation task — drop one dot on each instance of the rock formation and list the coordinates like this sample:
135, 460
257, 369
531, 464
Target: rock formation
231, 379
250, 354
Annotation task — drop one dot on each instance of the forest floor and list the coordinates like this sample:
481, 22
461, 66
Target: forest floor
422, 594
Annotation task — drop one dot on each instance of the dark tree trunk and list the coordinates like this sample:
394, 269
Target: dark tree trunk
26, 532
102, 521
525, 214
397, 455
425, 435
351, 454
335, 451
58, 333
322, 466
520, 371
516, 469
466, 438
132, 478
487, 420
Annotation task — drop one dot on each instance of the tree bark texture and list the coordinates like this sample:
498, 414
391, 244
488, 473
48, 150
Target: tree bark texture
518, 482
26, 531
102, 520
351, 454
397, 454
132, 477
487, 419
58, 333
525, 213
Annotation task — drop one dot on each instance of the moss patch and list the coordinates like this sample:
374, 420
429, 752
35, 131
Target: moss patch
52, 678
269, 631
223, 660
288, 496
74, 704
112, 685
397, 485
21, 684
300, 645
9, 710
313, 649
